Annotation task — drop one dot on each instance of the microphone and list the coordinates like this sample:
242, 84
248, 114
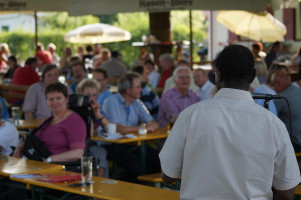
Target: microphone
265, 96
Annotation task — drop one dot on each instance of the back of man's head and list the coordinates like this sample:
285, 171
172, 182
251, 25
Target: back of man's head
115, 54
236, 63
31, 61
276, 44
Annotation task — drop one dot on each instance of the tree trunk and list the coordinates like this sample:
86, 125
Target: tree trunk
160, 27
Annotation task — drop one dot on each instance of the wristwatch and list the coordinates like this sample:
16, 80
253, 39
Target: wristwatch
49, 160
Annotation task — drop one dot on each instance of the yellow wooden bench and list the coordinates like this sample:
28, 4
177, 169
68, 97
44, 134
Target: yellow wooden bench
13, 91
157, 181
154, 178
298, 190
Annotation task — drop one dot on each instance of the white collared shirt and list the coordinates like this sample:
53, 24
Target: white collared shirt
205, 90
229, 147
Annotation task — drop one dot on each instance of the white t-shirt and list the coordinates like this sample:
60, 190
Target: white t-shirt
9, 136
229, 147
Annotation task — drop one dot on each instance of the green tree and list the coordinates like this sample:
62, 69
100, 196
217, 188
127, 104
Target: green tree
53, 26
63, 22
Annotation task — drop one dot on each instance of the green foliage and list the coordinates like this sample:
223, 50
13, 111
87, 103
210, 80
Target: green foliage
108, 19
20, 43
62, 22
52, 28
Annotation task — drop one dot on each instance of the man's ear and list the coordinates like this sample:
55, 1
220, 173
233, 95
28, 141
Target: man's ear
127, 90
218, 76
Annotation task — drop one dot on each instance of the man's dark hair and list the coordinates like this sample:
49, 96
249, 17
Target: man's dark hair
236, 62
115, 54
139, 69
47, 69
31, 60
89, 48
103, 71
182, 62
149, 61
276, 44
77, 63
13, 58
56, 87
256, 46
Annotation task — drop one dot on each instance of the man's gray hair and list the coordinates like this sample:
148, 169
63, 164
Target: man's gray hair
126, 81
175, 72
166, 56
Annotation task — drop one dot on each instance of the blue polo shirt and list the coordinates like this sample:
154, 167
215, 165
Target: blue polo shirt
116, 110
103, 96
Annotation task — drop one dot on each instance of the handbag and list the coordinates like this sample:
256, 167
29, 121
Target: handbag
34, 149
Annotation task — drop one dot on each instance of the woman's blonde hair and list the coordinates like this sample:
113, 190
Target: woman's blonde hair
87, 83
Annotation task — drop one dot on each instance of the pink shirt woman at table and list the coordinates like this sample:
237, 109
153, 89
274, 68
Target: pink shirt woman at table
65, 134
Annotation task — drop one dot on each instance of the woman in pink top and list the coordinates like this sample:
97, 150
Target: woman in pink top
65, 134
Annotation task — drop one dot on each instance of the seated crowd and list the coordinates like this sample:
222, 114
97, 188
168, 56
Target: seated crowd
136, 102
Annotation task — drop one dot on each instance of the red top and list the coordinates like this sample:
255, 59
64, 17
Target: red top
25, 76
44, 57
164, 77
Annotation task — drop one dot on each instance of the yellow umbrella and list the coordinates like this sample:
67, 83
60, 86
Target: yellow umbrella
259, 26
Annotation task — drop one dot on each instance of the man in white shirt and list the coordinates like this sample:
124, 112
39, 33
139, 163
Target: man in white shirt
229, 147
200, 78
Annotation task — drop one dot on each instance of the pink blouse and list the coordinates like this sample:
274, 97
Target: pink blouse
67, 135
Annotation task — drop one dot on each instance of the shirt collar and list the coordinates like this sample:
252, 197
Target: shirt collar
120, 98
178, 94
234, 94
206, 85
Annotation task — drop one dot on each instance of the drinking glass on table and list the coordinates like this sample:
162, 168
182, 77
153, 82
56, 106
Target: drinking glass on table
16, 115
171, 119
86, 169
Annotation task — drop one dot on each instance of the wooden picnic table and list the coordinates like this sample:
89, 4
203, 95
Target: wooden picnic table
104, 188
140, 139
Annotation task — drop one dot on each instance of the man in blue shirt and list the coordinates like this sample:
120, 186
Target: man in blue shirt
282, 85
127, 111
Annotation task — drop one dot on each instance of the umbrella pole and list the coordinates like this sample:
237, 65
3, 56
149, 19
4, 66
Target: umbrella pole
36, 30
191, 40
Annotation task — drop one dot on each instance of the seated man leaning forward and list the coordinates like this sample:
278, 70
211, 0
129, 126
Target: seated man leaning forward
35, 104
229, 147
176, 99
126, 109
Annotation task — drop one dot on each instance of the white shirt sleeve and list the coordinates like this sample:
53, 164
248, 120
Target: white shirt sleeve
286, 172
9, 137
172, 153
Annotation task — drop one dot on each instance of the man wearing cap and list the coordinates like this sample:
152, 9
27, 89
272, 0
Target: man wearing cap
228, 147
55, 58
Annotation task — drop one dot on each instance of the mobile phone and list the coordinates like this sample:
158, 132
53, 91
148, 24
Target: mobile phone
79, 184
